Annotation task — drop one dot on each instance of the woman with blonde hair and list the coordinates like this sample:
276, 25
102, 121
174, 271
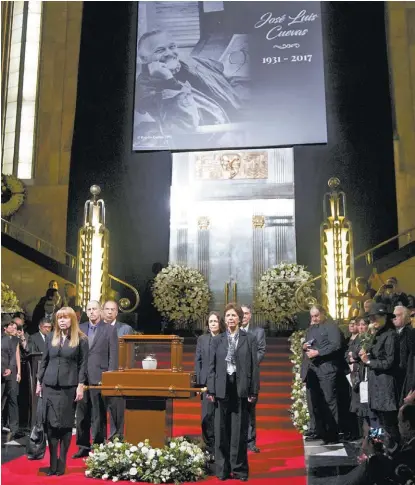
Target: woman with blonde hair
61, 380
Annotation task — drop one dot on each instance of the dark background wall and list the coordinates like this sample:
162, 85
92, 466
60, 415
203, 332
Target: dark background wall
136, 186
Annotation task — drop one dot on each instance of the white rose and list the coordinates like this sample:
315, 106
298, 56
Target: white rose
144, 449
115, 479
151, 454
91, 453
133, 449
133, 471
110, 444
118, 445
172, 445
87, 473
141, 444
105, 476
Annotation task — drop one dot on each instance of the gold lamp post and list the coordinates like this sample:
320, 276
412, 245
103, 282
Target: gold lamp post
337, 260
92, 278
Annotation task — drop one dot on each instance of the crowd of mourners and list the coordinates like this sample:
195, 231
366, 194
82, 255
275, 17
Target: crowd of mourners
362, 388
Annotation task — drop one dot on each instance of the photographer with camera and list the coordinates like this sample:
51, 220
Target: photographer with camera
388, 466
390, 295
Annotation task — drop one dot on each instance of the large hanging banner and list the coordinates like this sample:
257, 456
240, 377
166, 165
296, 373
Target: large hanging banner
226, 75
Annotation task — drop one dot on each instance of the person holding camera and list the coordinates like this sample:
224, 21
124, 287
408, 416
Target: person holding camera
388, 466
319, 371
390, 295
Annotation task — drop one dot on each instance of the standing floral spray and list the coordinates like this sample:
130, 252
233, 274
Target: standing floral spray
275, 293
9, 301
299, 410
181, 294
179, 461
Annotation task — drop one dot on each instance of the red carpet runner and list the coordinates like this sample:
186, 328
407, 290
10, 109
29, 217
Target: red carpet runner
280, 462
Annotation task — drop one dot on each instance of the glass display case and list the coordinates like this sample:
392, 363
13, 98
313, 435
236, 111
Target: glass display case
150, 352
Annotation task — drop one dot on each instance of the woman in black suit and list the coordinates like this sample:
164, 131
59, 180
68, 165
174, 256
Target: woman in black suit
61, 380
214, 326
233, 380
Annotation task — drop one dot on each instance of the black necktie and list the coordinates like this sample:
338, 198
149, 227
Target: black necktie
91, 335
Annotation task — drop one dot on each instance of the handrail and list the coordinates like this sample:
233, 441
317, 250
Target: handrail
380, 245
67, 258
171, 389
39, 242
368, 254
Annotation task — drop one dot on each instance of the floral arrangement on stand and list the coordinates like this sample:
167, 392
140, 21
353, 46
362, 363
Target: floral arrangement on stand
12, 195
179, 461
299, 410
275, 293
181, 294
9, 301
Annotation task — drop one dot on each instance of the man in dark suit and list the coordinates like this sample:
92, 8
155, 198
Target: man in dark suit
259, 335
10, 391
37, 340
319, 370
116, 405
402, 322
102, 357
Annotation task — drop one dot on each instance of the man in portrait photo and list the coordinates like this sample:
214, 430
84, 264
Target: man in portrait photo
181, 96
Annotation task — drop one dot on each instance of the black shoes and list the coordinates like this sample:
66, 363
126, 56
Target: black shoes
254, 449
81, 453
312, 437
51, 472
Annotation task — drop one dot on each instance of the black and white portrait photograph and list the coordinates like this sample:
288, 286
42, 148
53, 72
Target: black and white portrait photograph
208, 72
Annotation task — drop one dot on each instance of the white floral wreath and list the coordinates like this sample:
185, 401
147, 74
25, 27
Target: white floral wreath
13, 191
181, 294
275, 293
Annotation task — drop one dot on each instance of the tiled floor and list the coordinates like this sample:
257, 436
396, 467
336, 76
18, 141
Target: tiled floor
326, 463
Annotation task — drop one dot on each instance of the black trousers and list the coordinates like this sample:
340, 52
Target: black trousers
312, 427
377, 471
231, 433
323, 396
116, 407
9, 403
252, 424
91, 416
208, 423
56, 437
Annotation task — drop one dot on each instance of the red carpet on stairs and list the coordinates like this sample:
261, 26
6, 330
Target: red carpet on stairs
280, 462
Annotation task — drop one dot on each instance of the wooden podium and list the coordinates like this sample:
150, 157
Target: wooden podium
149, 394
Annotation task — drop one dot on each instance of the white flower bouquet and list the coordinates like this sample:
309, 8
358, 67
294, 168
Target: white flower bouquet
275, 293
179, 461
9, 301
299, 410
181, 294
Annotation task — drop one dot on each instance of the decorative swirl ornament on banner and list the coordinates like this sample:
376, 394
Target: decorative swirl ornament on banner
12, 195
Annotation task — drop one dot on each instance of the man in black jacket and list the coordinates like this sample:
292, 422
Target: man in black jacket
403, 329
102, 356
319, 371
37, 340
259, 335
116, 404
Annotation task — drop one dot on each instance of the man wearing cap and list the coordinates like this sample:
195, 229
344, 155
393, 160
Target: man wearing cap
382, 363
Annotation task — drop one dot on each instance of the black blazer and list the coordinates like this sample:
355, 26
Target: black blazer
103, 354
36, 343
328, 341
247, 368
63, 366
259, 334
202, 358
6, 356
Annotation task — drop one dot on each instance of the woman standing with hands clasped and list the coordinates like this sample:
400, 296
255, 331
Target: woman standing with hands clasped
61, 379
215, 326
233, 381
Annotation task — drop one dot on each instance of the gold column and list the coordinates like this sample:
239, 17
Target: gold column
6, 33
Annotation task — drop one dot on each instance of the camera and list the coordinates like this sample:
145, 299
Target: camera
389, 286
